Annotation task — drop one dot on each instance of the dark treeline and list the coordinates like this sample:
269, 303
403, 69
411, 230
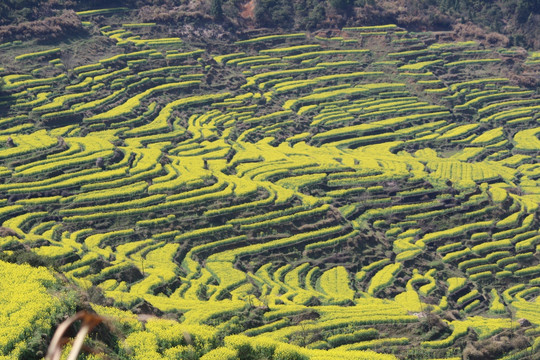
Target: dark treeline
517, 19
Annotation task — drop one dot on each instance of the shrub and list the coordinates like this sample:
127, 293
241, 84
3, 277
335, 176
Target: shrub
49, 29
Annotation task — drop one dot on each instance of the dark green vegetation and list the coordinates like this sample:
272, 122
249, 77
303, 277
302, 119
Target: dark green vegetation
367, 194
518, 20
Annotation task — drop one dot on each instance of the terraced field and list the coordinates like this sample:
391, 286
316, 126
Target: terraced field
369, 195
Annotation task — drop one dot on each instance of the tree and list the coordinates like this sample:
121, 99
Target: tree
272, 13
341, 5
3, 94
316, 16
216, 9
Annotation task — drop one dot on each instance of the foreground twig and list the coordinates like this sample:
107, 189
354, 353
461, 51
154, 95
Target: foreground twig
89, 322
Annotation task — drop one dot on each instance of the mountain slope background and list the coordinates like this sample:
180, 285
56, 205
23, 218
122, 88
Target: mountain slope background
517, 20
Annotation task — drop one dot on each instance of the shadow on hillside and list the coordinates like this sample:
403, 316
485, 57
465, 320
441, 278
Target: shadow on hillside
6, 101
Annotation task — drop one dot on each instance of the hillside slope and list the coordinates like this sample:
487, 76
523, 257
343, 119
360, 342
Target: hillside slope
372, 194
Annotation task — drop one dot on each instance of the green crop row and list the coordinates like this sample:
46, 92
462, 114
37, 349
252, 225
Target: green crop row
65, 163
127, 107
184, 55
491, 246
261, 347
266, 216
396, 209
484, 98
40, 200
455, 284
241, 207
91, 105
101, 11
420, 65
466, 84
286, 218
226, 274
202, 232
174, 182
94, 241
359, 129
456, 255
528, 271
370, 28
335, 283
64, 181
526, 224
471, 61
528, 244
248, 59
467, 297
138, 25
118, 192
40, 99
452, 45
408, 53
230, 255
38, 54
57, 114
347, 338
160, 267
325, 96
252, 80
220, 59
476, 303
37, 141
272, 116
383, 278
513, 113
313, 54
58, 102
290, 49
168, 70
89, 67
86, 259
268, 328
131, 204
271, 38
459, 330
190, 265
154, 42
458, 131
376, 343
160, 122
81, 85
157, 221
132, 55
13, 82
107, 76
218, 186
351, 320
456, 231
